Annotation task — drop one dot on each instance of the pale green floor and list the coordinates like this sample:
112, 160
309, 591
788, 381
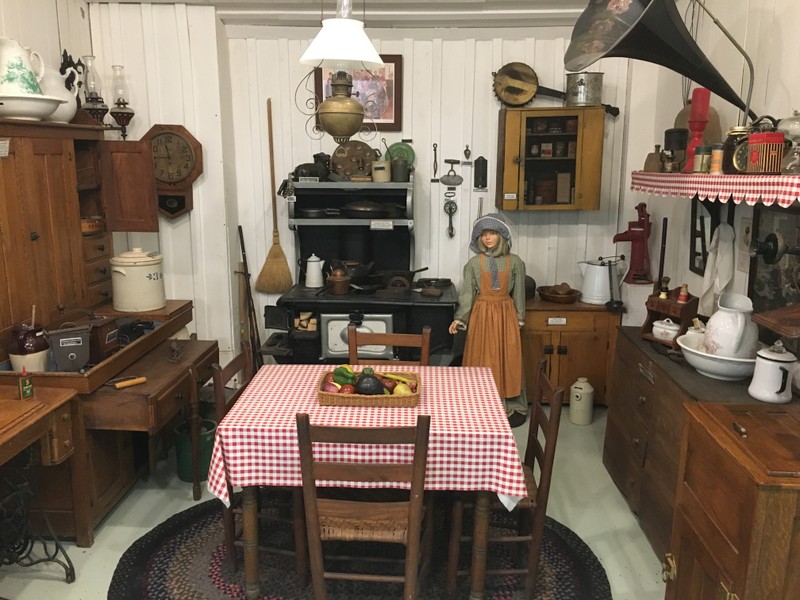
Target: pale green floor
583, 498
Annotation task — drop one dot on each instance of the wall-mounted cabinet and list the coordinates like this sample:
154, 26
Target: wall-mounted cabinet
550, 158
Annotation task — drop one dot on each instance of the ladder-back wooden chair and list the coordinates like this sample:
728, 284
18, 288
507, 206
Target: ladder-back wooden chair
366, 515
531, 510
357, 338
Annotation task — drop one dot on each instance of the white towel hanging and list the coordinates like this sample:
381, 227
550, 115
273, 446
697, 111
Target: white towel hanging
719, 268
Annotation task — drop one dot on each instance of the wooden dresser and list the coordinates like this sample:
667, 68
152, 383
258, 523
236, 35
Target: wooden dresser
645, 421
736, 532
578, 340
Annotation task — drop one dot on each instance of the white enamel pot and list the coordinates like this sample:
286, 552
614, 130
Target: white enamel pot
137, 281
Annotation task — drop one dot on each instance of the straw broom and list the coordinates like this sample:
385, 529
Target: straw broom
275, 276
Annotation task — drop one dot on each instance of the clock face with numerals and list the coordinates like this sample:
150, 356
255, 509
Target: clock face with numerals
741, 155
173, 157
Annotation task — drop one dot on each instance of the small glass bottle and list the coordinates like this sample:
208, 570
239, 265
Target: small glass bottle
702, 159
715, 167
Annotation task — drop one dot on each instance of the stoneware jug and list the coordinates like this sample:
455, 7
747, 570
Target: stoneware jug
314, 266
54, 84
772, 378
21, 69
730, 332
28, 348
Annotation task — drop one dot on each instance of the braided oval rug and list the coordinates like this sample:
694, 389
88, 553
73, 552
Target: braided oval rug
184, 559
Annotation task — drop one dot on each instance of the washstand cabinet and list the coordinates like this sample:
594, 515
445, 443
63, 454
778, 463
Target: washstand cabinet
550, 158
647, 394
737, 509
578, 340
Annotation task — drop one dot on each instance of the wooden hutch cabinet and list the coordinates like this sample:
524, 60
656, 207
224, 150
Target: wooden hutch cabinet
55, 178
550, 158
577, 339
737, 508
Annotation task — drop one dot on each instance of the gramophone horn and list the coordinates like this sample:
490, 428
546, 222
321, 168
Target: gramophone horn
649, 30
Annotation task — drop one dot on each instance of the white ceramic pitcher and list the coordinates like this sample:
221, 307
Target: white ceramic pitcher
21, 69
730, 332
54, 84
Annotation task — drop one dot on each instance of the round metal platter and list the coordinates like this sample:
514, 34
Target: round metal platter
353, 158
515, 84
400, 150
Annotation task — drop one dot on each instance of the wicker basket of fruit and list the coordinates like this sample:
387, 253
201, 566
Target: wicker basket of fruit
344, 386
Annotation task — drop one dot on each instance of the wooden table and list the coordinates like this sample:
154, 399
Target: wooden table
471, 445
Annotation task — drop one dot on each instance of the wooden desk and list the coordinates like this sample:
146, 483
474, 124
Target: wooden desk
108, 417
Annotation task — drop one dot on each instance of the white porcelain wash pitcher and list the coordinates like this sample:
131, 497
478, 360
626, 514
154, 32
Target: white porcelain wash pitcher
21, 69
54, 84
730, 332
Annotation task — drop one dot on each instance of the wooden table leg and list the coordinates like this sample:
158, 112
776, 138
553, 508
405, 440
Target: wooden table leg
194, 432
480, 538
252, 587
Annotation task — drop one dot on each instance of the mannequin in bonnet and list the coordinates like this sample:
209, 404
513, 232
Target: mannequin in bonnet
491, 308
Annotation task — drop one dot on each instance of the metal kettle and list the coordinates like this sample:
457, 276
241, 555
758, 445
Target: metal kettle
772, 378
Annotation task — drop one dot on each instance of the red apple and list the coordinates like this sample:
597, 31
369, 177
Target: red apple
347, 389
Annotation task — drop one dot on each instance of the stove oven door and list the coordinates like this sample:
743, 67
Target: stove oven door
334, 335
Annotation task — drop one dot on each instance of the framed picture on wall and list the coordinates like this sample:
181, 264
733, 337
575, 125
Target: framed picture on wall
380, 91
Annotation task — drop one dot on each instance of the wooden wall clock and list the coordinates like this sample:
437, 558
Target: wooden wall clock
177, 163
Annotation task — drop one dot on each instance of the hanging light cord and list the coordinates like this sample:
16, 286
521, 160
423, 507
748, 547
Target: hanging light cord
694, 24
746, 113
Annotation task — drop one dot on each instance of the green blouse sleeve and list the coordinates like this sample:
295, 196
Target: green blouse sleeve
469, 289
517, 285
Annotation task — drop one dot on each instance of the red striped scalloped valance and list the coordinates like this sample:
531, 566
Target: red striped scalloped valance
751, 189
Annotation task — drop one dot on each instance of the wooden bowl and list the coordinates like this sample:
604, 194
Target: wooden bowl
545, 291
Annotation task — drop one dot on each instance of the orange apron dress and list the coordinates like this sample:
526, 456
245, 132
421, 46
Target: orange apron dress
493, 338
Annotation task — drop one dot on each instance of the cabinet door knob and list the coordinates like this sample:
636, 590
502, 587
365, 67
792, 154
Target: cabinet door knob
548, 349
642, 399
61, 308
101, 247
562, 349
34, 236
635, 441
669, 568
102, 270
517, 160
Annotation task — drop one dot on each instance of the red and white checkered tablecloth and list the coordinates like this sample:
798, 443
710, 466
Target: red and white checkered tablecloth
471, 446
767, 189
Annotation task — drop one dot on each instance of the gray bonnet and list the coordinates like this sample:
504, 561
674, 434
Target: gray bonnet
493, 221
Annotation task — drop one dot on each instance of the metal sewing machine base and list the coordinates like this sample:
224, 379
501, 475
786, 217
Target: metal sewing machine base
17, 540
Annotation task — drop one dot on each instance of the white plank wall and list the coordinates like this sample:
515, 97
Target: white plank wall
184, 66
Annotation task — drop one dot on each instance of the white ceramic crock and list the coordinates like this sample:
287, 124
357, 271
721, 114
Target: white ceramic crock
137, 281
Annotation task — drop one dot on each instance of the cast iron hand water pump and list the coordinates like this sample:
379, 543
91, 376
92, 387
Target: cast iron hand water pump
637, 234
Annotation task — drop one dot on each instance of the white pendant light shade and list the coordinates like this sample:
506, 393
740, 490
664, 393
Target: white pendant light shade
342, 44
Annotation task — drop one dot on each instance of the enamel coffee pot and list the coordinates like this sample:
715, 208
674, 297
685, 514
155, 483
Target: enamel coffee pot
772, 378
314, 266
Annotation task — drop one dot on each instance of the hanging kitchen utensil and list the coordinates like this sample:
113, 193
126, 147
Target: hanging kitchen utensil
451, 177
434, 179
400, 150
480, 173
388, 152
450, 208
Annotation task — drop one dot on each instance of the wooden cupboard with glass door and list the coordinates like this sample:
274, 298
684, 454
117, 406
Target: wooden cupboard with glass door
550, 158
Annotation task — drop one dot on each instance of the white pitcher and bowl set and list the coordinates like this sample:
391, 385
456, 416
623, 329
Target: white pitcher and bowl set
729, 351
27, 89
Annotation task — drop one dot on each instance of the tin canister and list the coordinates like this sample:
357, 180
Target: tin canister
766, 152
584, 89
